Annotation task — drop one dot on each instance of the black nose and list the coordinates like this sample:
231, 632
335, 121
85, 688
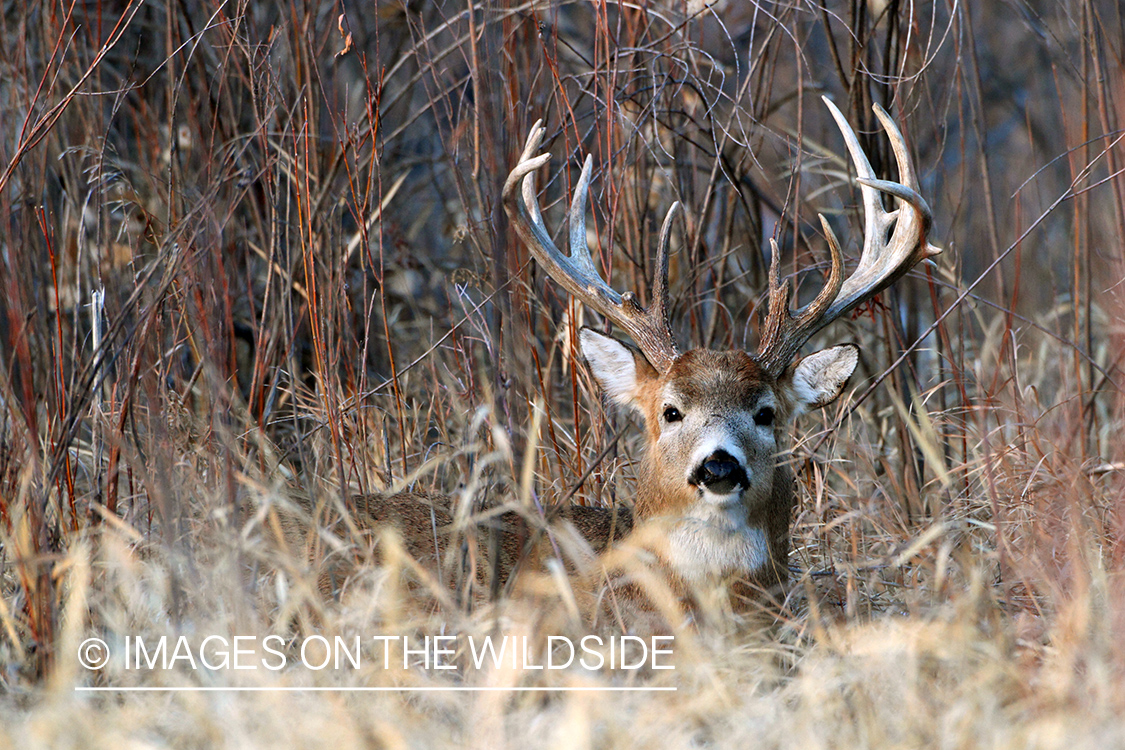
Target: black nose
720, 473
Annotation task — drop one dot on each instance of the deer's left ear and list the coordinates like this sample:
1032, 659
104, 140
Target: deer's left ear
818, 379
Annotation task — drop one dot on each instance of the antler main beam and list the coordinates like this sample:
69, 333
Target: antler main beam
575, 270
882, 262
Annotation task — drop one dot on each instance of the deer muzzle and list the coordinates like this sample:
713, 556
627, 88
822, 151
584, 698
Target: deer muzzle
720, 473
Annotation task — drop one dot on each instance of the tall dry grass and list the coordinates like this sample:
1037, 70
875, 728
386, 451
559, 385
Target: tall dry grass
254, 252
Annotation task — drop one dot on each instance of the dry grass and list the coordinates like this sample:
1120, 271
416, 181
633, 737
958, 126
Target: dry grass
310, 290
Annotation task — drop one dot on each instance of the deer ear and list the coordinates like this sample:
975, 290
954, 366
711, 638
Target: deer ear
618, 367
818, 379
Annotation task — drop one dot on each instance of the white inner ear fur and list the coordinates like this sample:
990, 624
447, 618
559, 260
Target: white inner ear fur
613, 364
819, 378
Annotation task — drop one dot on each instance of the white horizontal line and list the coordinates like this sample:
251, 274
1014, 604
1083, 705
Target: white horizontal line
459, 689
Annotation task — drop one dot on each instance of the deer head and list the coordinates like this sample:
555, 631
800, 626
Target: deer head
717, 421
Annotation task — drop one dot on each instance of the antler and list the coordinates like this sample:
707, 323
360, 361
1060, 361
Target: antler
882, 262
575, 271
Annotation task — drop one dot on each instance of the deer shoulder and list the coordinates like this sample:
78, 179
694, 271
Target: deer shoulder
490, 546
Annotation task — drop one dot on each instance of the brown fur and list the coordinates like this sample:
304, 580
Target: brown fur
711, 380
502, 545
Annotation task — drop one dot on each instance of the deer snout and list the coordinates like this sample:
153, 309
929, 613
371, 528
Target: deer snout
720, 473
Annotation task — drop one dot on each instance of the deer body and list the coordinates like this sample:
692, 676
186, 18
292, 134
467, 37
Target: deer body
714, 494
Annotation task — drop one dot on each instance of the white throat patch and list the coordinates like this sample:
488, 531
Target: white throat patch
714, 540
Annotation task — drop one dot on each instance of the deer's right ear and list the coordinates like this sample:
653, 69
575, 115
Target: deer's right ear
619, 368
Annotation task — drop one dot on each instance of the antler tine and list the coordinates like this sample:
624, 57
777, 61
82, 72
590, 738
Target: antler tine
575, 270
580, 253
881, 263
784, 333
659, 305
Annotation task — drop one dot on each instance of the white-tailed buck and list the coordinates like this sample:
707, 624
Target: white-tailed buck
714, 483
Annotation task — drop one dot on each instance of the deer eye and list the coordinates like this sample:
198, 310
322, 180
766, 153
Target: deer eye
764, 416
672, 414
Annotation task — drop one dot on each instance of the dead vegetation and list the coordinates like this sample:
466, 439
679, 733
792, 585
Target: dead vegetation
254, 252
